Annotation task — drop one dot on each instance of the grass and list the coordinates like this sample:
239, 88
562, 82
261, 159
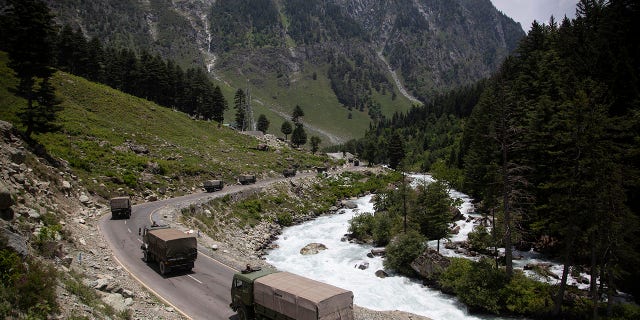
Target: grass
100, 124
320, 105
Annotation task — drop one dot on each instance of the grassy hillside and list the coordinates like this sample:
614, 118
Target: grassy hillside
276, 94
102, 127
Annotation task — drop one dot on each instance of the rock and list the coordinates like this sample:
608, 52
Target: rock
456, 215
363, 265
128, 302
15, 241
379, 251
101, 284
116, 301
17, 156
214, 247
152, 198
381, 274
139, 149
349, 204
430, 264
33, 214
127, 293
6, 201
312, 248
455, 230
84, 199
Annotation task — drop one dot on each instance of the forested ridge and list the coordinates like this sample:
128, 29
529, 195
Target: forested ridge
549, 145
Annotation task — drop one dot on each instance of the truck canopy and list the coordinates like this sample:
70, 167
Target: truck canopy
119, 202
172, 242
302, 298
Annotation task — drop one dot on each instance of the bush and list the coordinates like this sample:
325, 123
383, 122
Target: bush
403, 250
27, 288
477, 284
284, 219
361, 226
526, 296
479, 239
382, 228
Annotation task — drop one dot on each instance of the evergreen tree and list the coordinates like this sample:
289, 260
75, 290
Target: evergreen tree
315, 143
395, 150
219, 105
297, 114
263, 123
240, 102
29, 32
432, 211
286, 129
299, 136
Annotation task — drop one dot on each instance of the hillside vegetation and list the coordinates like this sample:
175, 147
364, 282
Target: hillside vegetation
119, 143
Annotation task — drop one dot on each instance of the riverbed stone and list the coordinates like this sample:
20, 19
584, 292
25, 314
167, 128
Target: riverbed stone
312, 248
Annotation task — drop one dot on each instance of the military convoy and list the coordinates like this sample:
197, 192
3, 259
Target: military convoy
213, 185
120, 207
246, 178
265, 294
170, 248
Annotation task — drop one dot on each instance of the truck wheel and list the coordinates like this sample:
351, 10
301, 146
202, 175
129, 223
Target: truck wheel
242, 313
163, 268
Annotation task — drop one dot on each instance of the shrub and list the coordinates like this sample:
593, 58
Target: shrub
477, 284
284, 219
479, 239
27, 288
526, 296
361, 226
403, 250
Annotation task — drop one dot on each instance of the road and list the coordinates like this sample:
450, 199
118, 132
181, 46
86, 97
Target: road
202, 294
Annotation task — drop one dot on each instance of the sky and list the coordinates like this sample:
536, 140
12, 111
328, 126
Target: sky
525, 11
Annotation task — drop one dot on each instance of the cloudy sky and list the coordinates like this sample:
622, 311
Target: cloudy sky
525, 11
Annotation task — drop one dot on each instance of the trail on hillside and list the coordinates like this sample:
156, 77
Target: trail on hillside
399, 85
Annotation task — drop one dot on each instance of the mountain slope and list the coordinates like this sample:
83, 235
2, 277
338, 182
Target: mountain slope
332, 57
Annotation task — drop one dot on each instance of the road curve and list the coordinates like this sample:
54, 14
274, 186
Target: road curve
203, 293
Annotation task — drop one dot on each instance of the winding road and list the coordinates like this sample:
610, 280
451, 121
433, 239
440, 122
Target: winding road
203, 293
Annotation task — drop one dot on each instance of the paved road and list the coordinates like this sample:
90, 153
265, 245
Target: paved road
202, 294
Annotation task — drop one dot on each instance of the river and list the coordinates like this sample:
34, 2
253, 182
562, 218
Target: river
338, 266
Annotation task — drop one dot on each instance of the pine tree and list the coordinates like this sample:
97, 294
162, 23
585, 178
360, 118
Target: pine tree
219, 105
299, 136
240, 102
286, 129
263, 123
29, 35
315, 143
297, 114
395, 150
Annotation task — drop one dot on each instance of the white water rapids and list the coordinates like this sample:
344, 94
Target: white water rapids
338, 264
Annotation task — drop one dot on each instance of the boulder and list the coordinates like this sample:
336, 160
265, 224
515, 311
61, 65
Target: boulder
430, 264
116, 301
381, 274
379, 251
6, 201
17, 156
15, 241
455, 230
349, 204
312, 248
456, 215
139, 149
363, 265
84, 199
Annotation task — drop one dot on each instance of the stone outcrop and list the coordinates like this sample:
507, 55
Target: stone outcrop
430, 264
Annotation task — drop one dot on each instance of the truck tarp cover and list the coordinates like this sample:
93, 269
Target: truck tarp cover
120, 202
173, 242
302, 298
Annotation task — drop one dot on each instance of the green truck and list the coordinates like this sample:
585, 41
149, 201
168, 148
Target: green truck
170, 248
266, 294
213, 185
120, 207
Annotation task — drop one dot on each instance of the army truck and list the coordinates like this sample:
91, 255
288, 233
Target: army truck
213, 185
289, 172
170, 248
120, 207
265, 294
246, 178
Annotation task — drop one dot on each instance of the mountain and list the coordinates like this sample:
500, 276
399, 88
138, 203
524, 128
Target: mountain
349, 59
